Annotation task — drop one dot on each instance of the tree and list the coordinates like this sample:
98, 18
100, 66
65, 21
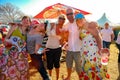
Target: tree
10, 13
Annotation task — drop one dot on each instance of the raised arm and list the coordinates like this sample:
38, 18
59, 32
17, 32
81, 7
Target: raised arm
94, 31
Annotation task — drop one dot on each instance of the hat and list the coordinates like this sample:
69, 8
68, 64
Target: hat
79, 16
35, 22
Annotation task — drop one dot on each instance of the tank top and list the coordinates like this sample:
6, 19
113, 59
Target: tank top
53, 39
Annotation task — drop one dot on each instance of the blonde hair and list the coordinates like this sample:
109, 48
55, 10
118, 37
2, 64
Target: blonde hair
61, 16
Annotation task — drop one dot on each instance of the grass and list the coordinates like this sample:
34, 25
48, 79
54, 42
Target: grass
113, 64
112, 68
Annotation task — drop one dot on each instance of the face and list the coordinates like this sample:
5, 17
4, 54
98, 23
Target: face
26, 22
106, 25
61, 20
70, 15
40, 27
80, 22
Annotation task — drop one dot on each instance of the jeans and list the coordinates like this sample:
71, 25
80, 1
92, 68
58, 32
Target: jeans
38, 63
106, 44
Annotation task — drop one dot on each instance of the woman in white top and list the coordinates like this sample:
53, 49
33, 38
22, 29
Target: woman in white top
54, 45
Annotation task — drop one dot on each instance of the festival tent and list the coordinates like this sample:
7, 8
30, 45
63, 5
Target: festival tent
103, 20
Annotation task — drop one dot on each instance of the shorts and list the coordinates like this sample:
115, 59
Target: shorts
53, 58
73, 56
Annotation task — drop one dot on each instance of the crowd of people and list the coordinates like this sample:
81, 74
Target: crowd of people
83, 44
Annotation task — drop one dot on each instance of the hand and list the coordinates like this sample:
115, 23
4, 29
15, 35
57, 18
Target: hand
44, 50
7, 43
99, 52
44, 57
105, 50
65, 46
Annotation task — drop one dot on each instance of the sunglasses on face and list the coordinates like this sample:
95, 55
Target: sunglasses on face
62, 18
69, 14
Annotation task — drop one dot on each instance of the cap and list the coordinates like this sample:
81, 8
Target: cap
35, 22
79, 16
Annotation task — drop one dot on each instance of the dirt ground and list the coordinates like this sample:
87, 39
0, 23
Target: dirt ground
112, 68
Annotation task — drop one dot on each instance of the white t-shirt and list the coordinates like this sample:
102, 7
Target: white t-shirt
74, 43
106, 34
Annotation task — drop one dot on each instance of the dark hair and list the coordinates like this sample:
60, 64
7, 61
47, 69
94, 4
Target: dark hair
45, 25
24, 17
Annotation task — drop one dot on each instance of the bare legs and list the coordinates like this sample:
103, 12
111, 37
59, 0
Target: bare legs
69, 70
57, 73
70, 57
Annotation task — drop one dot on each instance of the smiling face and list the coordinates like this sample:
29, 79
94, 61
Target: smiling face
40, 27
70, 15
61, 19
80, 22
26, 21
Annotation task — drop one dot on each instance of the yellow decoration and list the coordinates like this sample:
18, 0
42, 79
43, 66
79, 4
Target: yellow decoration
87, 66
82, 35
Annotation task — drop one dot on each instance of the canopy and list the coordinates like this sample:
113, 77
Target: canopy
55, 10
103, 20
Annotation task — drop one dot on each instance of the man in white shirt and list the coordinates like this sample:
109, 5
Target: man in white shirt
74, 43
107, 36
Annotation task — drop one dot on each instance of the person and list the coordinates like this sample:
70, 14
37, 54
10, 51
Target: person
54, 45
44, 41
91, 68
34, 43
45, 38
13, 61
107, 35
74, 44
1, 36
118, 46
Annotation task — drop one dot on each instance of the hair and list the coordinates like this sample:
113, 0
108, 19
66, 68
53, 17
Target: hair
106, 23
24, 17
69, 10
45, 25
61, 16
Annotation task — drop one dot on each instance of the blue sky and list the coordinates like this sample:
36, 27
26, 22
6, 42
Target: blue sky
15, 2
96, 7
19, 3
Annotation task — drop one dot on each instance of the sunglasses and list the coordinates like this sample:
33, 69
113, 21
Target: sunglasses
62, 18
69, 14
